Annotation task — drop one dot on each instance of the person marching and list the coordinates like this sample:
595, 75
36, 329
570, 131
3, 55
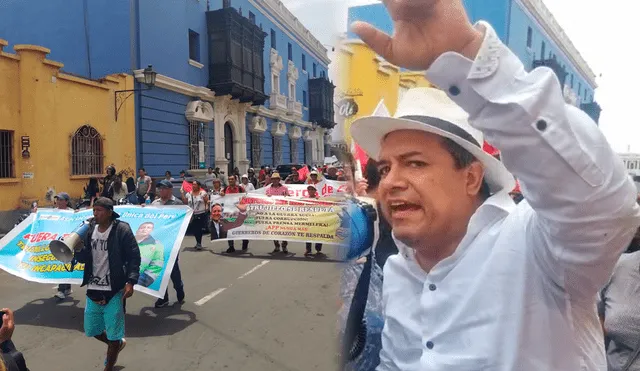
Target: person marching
63, 202
313, 193
198, 201
233, 188
112, 267
165, 189
278, 189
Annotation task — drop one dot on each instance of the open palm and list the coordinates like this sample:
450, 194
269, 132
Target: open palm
423, 30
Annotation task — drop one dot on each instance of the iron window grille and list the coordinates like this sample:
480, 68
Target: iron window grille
277, 151
87, 152
198, 145
256, 150
294, 151
6, 154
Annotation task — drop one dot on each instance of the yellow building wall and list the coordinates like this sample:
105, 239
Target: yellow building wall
360, 70
40, 101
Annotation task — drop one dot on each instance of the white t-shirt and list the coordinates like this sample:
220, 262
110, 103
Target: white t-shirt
197, 202
101, 277
249, 187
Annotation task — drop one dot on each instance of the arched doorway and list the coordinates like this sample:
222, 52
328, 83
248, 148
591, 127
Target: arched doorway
228, 147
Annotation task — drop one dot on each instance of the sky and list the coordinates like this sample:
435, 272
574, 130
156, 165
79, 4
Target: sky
601, 30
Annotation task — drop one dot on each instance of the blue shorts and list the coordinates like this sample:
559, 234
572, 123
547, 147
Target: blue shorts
107, 318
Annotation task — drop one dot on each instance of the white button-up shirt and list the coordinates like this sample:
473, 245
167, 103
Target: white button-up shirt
519, 293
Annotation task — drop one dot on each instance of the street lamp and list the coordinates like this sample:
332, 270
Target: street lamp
149, 77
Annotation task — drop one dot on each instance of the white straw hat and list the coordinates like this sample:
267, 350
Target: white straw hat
432, 111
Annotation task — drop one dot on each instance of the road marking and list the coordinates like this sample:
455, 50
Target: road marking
219, 291
254, 269
210, 296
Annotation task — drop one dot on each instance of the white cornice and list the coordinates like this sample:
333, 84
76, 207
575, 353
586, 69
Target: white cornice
277, 13
275, 115
553, 29
178, 86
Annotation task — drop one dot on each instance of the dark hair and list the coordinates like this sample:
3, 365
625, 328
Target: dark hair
142, 169
214, 205
147, 223
117, 184
167, 172
463, 158
372, 174
131, 185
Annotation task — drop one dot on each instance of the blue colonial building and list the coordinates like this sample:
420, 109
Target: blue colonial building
530, 31
240, 83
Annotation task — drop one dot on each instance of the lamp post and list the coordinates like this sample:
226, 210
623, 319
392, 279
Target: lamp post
122, 95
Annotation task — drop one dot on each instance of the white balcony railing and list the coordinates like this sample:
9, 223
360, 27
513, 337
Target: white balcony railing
278, 101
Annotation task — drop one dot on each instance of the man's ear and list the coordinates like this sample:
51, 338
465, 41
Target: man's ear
475, 175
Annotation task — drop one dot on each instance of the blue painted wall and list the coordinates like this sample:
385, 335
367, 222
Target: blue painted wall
164, 38
496, 12
164, 133
267, 145
91, 37
521, 20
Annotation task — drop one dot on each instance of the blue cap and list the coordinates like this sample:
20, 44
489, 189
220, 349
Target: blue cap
164, 184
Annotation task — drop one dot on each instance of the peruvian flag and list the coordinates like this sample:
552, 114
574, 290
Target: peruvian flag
303, 172
360, 158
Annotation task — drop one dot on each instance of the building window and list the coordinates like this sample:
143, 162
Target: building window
277, 151
273, 39
194, 46
308, 152
579, 89
226, 3
304, 62
543, 50
198, 145
292, 91
314, 70
294, 151
6, 154
529, 37
321, 73
252, 18
275, 83
256, 149
571, 80
304, 98
290, 51
87, 154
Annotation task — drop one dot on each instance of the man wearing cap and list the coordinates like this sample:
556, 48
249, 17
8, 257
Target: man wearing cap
480, 283
246, 184
165, 191
313, 177
112, 266
278, 189
63, 202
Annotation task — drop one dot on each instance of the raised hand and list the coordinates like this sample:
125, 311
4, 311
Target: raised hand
423, 30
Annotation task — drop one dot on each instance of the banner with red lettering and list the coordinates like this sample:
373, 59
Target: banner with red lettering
326, 188
258, 217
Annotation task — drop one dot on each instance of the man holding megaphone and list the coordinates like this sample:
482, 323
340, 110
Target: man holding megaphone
112, 266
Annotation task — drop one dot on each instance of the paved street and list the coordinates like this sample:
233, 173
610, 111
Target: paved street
243, 312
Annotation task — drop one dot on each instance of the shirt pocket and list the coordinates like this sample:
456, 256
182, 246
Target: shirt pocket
563, 141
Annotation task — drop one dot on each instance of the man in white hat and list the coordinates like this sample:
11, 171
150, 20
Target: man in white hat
480, 283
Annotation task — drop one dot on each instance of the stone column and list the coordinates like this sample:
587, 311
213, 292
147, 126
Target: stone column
241, 126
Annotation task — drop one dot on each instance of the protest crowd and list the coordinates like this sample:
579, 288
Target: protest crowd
470, 269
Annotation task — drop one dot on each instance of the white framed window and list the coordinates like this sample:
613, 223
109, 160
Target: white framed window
198, 145
292, 91
294, 151
256, 149
275, 83
277, 151
87, 151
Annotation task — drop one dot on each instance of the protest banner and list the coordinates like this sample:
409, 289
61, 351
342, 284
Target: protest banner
257, 217
24, 252
326, 188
